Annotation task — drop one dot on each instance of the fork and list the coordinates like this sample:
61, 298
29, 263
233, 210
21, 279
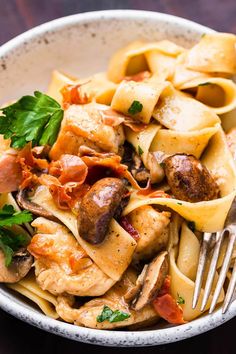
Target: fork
217, 238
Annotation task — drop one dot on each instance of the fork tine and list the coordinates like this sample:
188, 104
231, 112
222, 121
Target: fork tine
230, 290
212, 269
223, 271
201, 267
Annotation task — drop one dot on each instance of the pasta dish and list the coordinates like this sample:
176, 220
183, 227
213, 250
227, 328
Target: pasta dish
107, 184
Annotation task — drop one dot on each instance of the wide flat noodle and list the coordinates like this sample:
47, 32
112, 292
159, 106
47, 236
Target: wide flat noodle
208, 216
179, 111
219, 161
146, 93
184, 287
217, 93
30, 289
188, 252
215, 52
142, 140
115, 253
171, 142
139, 56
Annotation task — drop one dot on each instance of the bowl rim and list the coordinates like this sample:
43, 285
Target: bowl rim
94, 336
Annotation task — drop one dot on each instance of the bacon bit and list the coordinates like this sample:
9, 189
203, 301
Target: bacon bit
113, 118
69, 168
66, 181
138, 77
72, 94
31, 167
166, 306
124, 222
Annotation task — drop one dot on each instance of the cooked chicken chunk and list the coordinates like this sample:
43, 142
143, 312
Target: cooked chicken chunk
61, 265
152, 227
84, 125
87, 314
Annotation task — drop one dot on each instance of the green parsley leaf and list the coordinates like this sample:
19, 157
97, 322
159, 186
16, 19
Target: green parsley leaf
140, 150
118, 316
205, 84
203, 35
112, 316
136, 107
179, 203
191, 225
9, 217
9, 243
180, 300
33, 118
105, 315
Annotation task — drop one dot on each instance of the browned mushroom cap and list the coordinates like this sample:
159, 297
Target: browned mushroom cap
152, 281
188, 179
20, 266
98, 207
25, 203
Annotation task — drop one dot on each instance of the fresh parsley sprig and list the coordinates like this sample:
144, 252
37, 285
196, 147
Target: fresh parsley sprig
9, 216
33, 118
10, 242
112, 316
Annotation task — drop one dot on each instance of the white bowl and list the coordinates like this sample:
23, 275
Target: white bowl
80, 45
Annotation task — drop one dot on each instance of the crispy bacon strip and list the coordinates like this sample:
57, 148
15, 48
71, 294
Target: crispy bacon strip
66, 181
31, 166
113, 118
72, 94
166, 306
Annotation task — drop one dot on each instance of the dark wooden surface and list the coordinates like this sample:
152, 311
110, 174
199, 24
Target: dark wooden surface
17, 16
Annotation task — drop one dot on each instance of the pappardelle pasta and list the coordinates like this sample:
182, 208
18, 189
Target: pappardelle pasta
108, 182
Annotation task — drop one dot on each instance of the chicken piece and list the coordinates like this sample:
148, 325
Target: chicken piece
87, 314
61, 265
152, 227
84, 125
231, 141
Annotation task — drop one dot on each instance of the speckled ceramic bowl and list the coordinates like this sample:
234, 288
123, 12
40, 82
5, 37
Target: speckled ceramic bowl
80, 45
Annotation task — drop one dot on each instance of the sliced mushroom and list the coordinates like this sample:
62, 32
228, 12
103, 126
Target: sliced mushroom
152, 281
98, 207
20, 266
25, 203
189, 180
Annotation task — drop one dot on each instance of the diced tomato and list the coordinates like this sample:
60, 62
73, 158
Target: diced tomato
166, 306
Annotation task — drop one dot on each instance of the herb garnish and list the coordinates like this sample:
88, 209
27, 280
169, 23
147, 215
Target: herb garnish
140, 150
136, 107
180, 300
9, 242
33, 118
112, 316
179, 203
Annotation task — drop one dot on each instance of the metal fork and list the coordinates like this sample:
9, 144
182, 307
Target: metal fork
217, 238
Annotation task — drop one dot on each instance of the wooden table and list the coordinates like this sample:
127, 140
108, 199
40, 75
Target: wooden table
17, 16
